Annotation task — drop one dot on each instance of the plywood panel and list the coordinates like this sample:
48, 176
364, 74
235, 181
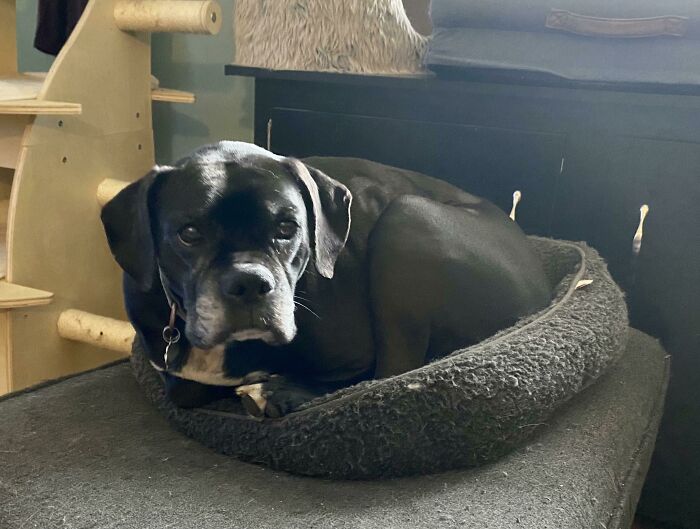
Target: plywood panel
105, 69
55, 239
6, 177
8, 37
5, 358
101, 84
11, 132
59, 245
5, 183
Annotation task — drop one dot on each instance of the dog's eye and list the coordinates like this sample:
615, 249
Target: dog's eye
286, 230
189, 235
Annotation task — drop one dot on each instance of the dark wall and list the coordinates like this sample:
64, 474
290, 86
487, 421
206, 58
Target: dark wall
417, 11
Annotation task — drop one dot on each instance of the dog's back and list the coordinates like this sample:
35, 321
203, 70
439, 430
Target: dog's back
404, 223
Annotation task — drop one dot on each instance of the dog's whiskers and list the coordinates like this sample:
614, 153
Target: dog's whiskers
297, 296
307, 308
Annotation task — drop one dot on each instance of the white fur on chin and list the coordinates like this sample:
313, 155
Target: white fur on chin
207, 367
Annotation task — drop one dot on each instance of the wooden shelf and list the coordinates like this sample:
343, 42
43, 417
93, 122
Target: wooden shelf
172, 96
36, 107
18, 96
16, 296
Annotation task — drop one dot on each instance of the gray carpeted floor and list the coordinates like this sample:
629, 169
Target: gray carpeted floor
89, 452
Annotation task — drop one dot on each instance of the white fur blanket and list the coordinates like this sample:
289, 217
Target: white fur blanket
359, 36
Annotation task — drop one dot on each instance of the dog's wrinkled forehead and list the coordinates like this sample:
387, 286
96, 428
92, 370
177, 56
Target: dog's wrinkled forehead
230, 152
214, 180
217, 171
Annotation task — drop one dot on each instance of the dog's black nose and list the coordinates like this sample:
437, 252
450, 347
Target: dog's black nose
248, 284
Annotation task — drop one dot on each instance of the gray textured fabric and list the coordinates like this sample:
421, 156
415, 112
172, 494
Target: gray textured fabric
91, 452
531, 15
659, 61
510, 35
466, 409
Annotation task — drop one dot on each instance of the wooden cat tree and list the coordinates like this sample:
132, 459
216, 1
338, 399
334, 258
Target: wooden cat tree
82, 129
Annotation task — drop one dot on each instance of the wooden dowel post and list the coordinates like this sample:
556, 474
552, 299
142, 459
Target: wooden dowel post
108, 189
107, 333
182, 16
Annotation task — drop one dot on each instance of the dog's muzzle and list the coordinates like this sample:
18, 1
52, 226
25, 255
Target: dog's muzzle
247, 283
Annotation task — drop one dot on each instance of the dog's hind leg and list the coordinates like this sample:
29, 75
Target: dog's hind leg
398, 301
444, 277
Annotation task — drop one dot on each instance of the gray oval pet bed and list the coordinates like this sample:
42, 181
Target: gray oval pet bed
461, 410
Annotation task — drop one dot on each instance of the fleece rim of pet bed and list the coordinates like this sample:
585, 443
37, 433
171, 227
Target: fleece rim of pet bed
464, 409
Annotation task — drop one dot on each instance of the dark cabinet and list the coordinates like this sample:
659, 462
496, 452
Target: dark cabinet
604, 182
585, 157
487, 161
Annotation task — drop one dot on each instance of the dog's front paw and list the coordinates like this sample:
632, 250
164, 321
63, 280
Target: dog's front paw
274, 397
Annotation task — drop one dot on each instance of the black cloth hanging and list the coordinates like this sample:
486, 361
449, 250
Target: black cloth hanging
55, 22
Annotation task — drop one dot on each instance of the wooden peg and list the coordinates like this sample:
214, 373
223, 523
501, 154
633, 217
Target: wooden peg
107, 333
108, 189
637, 240
185, 16
516, 200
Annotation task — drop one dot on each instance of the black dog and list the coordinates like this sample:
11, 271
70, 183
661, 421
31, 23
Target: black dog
278, 294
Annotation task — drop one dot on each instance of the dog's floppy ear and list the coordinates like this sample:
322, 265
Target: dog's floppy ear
329, 202
127, 223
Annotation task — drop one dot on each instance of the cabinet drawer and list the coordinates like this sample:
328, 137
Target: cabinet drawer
486, 161
605, 181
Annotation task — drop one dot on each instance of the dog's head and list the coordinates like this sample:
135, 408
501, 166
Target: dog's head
232, 228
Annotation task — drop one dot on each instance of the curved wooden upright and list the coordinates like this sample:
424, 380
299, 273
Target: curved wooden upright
88, 119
